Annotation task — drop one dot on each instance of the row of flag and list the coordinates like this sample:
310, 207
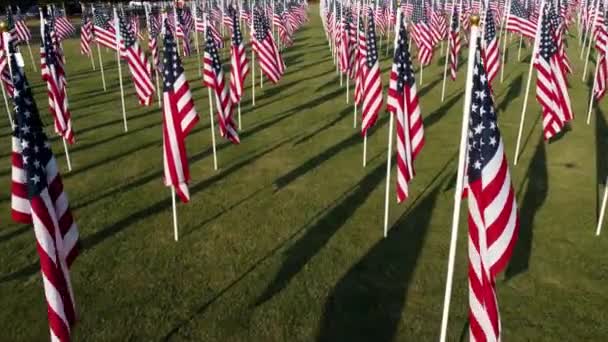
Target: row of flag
37, 194
354, 30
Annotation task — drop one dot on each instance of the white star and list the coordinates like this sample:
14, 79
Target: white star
25, 158
479, 128
477, 165
24, 144
492, 141
36, 179
25, 129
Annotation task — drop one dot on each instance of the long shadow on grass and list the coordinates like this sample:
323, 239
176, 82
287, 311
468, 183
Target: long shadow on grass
512, 93
367, 303
317, 160
534, 197
143, 179
298, 255
14, 233
441, 111
328, 125
601, 159
99, 236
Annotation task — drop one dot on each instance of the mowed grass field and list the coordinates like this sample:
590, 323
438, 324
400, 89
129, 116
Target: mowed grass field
284, 242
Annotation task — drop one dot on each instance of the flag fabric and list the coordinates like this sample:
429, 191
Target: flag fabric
438, 26
217, 36
38, 185
239, 66
53, 74
63, 26
104, 30
213, 77
519, 20
601, 45
372, 82
551, 87
141, 71
86, 35
265, 47
346, 52
493, 218
23, 32
182, 31
360, 62
490, 47
421, 33
455, 43
179, 117
5, 76
153, 31
403, 103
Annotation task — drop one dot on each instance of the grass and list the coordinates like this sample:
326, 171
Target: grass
284, 242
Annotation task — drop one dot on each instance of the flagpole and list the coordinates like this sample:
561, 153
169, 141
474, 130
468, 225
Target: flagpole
460, 174
251, 37
390, 136
597, 65
198, 49
212, 122
356, 66
365, 149
590, 43
8, 110
504, 42
29, 48
5, 39
103, 77
83, 10
603, 210
525, 105
447, 57
590, 29
122, 91
175, 230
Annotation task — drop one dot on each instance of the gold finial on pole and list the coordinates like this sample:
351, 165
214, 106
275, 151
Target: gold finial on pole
3, 26
474, 20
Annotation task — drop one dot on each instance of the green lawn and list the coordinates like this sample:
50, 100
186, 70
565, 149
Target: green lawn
284, 242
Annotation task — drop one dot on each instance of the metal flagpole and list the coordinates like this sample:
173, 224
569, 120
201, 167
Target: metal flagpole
591, 98
5, 40
460, 174
211, 117
390, 136
122, 90
175, 230
103, 76
523, 111
447, 57
602, 210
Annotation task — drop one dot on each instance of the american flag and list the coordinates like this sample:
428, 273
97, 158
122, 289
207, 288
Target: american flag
239, 66
214, 79
53, 73
346, 51
439, 26
38, 194
403, 102
5, 76
421, 33
379, 20
105, 33
183, 31
558, 31
372, 82
63, 26
270, 59
141, 71
217, 36
519, 20
23, 32
86, 35
455, 43
491, 53
153, 31
493, 218
601, 45
551, 87
179, 117
360, 54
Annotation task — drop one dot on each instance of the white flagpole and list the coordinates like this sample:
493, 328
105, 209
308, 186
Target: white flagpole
6, 52
175, 230
590, 42
29, 48
390, 137
365, 149
211, 120
447, 57
359, 14
198, 49
460, 174
8, 110
603, 210
5, 39
252, 33
122, 91
504, 42
523, 111
103, 76
591, 98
